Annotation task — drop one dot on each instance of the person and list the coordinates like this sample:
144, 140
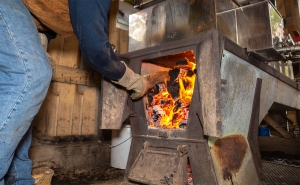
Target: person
25, 71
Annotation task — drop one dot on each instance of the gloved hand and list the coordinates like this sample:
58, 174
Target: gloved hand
44, 41
140, 84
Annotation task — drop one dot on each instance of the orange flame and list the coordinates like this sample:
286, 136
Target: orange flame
172, 112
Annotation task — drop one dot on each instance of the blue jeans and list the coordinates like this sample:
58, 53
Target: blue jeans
25, 75
90, 23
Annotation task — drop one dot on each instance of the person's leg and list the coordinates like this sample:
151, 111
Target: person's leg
20, 168
25, 75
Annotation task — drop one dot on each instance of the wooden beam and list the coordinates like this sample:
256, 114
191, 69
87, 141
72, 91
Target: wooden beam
76, 76
275, 144
117, 37
277, 127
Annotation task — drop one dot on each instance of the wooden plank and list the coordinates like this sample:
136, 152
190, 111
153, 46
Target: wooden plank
292, 116
69, 51
88, 110
69, 108
113, 31
277, 127
76, 76
124, 40
290, 12
275, 144
118, 37
45, 121
64, 115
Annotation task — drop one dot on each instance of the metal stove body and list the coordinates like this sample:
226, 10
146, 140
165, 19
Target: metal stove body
233, 92
162, 155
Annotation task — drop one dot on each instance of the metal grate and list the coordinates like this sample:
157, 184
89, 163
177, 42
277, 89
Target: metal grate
281, 174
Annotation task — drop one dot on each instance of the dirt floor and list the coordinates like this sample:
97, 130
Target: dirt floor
106, 175
281, 157
89, 176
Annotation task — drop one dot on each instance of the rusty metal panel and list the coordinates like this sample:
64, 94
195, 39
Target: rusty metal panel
113, 105
245, 2
258, 28
224, 5
154, 166
208, 67
230, 152
170, 21
256, 35
226, 22
241, 113
202, 165
253, 129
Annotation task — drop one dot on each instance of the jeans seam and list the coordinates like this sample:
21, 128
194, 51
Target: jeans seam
14, 171
20, 53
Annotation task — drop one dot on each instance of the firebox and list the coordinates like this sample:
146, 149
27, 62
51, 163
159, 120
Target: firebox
167, 104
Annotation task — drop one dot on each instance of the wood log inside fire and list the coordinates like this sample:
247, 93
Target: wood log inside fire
165, 99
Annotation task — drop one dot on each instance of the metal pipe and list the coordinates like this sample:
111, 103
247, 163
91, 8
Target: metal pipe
291, 49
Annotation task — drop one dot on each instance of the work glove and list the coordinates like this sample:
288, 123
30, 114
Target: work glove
140, 84
44, 41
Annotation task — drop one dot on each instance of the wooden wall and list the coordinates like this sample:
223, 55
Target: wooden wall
69, 109
289, 9
71, 105
65, 130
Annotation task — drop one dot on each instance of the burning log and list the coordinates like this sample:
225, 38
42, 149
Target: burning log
168, 102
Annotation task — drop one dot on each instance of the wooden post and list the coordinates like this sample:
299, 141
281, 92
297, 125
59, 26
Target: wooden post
117, 37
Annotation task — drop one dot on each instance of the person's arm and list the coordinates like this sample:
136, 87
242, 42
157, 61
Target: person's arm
90, 23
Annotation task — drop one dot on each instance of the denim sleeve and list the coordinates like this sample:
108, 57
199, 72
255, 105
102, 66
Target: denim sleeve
90, 23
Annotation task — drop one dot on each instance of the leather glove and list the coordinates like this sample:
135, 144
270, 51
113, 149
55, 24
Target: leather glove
140, 84
44, 41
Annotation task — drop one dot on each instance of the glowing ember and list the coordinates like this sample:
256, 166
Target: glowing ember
168, 103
